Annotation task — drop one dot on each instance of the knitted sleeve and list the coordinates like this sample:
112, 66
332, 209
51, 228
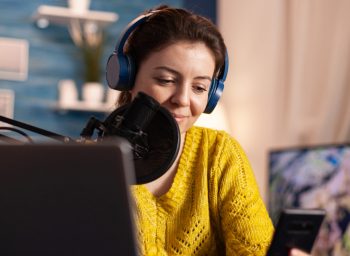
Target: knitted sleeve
244, 220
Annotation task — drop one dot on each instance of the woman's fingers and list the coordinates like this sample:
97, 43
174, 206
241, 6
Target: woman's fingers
296, 252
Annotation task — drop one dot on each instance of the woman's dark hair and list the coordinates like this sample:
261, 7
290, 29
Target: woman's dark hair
167, 26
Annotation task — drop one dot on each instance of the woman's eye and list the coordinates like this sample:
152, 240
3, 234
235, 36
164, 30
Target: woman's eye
199, 89
165, 81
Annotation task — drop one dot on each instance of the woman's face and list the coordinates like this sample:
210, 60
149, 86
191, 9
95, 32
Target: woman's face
179, 77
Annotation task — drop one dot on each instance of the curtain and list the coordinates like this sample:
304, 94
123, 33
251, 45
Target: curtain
289, 76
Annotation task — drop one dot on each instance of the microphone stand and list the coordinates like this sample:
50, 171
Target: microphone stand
31, 128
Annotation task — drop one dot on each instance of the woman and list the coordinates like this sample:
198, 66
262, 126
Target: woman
208, 202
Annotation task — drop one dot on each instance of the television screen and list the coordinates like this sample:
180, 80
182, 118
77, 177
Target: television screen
314, 177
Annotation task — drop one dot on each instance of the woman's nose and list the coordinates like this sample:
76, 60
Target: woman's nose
181, 95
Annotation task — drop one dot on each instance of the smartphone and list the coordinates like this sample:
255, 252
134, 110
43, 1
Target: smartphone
296, 228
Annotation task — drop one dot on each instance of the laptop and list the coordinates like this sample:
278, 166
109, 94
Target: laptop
66, 199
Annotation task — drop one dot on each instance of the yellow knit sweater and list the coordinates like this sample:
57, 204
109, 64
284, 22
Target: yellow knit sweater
213, 206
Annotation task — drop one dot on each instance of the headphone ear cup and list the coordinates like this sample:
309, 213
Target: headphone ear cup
120, 72
216, 89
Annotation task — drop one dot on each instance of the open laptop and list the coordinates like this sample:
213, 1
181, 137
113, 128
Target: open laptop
65, 199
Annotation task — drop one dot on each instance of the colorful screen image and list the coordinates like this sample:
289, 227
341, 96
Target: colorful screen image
314, 177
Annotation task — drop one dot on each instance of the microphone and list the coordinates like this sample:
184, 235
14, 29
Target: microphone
151, 130
132, 122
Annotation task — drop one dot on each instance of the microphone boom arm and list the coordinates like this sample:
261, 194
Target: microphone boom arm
37, 130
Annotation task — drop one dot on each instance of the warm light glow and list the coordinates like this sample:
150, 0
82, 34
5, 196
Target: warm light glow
216, 120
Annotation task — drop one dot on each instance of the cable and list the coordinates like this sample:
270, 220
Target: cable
19, 132
38, 130
9, 140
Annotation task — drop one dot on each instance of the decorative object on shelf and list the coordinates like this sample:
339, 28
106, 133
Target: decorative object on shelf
86, 28
89, 38
67, 92
79, 6
93, 93
14, 54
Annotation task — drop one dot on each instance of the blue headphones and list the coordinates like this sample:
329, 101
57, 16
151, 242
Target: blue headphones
120, 70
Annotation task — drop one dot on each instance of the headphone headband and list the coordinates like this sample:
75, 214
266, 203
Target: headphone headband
129, 29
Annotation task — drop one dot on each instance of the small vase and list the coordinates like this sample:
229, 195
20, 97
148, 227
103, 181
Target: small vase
93, 93
79, 6
67, 92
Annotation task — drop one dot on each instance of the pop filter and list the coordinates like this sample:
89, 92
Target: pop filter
152, 132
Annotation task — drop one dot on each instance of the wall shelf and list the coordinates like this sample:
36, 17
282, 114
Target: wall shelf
64, 15
83, 106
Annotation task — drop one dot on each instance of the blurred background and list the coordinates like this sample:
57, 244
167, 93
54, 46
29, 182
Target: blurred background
287, 90
288, 83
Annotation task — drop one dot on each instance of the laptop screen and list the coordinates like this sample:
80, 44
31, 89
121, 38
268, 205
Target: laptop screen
65, 199
314, 177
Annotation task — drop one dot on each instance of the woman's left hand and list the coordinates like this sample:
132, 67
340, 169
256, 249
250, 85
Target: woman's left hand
296, 252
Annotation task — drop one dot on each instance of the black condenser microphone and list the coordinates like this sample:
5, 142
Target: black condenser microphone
151, 130
132, 121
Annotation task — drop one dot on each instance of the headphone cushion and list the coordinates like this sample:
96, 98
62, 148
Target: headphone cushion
120, 72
